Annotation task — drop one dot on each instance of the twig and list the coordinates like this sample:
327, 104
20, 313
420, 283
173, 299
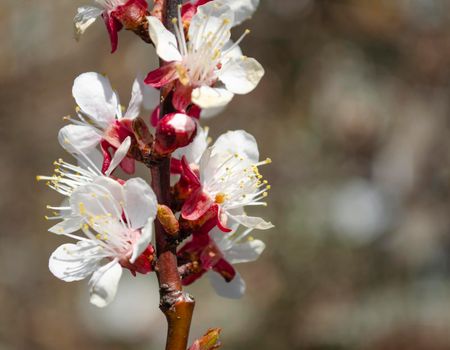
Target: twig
176, 305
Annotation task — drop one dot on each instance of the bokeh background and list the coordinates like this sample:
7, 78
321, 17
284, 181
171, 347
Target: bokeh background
353, 110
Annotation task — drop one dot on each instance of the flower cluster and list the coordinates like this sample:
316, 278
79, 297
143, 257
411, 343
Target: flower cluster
111, 219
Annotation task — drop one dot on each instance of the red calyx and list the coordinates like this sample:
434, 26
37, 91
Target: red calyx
204, 251
143, 264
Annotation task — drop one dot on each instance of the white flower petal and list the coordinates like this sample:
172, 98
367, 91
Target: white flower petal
221, 239
137, 97
95, 157
119, 155
86, 15
66, 226
245, 252
208, 97
232, 51
194, 151
241, 75
102, 198
240, 142
73, 262
253, 222
96, 98
140, 202
243, 9
165, 42
151, 97
211, 112
234, 289
76, 138
143, 241
103, 284
209, 19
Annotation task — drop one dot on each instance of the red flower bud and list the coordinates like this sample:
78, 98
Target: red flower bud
132, 14
175, 130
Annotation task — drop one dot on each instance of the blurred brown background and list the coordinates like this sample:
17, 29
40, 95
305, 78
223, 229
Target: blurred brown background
353, 110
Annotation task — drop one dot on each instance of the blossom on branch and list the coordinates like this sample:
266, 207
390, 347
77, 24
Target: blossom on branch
216, 253
117, 226
115, 13
204, 67
100, 119
227, 180
68, 177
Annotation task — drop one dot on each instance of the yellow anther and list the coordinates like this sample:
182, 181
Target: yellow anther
247, 31
220, 198
268, 187
82, 208
268, 161
174, 20
38, 177
182, 74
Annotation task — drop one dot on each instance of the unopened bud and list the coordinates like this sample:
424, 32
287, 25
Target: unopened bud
174, 131
210, 341
168, 220
132, 14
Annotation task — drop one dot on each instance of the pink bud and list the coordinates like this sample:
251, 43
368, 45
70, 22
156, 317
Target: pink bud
175, 130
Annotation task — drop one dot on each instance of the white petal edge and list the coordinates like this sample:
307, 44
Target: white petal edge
140, 202
86, 15
241, 75
73, 257
119, 155
242, 9
209, 18
76, 138
165, 42
240, 142
98, 199
143, 241
253, 222
207, 113
103, 284
245, 252
66, 226
137, 97
208, 97
194, 151
94, 95
234, 289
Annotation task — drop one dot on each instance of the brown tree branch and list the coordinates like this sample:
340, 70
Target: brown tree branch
176, 305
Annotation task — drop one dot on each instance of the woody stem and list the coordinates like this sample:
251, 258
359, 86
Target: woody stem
176, 305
